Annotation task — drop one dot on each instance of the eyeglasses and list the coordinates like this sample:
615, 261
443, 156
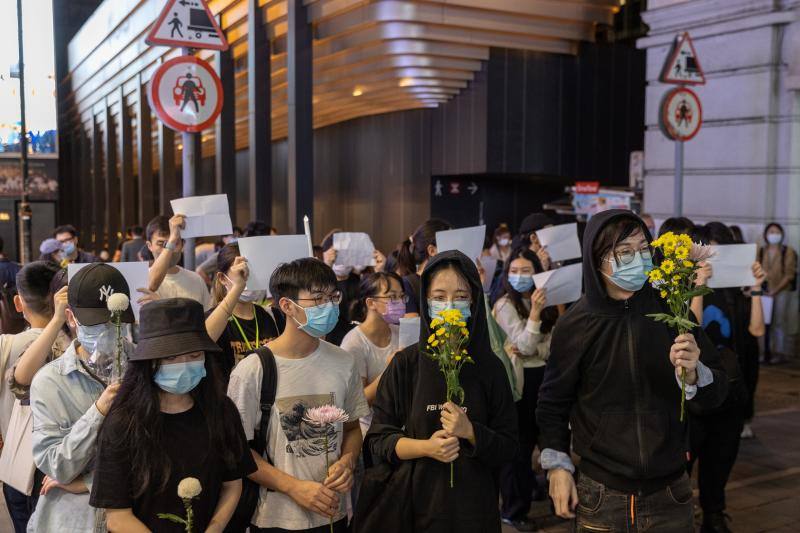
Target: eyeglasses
393, 297
626, 256
456, 299
335, 298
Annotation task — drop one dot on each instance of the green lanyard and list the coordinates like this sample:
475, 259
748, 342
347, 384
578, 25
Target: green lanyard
241, 331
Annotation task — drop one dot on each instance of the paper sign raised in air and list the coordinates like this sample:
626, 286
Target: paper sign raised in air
562, 285
136, 274
732, 266
468, 241
409, 332
354, 249
489, 265
264, 254
206, 216
561, 242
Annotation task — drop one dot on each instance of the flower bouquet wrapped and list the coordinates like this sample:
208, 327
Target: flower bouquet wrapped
675, 279
447, 346
326, 416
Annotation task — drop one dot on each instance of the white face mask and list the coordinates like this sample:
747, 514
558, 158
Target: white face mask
503, 242
774, 238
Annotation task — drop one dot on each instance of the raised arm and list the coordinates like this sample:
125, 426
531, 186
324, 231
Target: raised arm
161, 265
40, 349
218, 319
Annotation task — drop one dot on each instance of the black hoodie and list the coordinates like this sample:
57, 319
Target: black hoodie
408, 403
610, 379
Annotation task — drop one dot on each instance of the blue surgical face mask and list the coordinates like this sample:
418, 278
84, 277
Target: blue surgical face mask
320, 319
89, 335
436, 306
69, 248
630, 277
180, 378
520, 283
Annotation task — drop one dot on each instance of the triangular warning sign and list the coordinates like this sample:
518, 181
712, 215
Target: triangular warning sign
682, 66
187, 23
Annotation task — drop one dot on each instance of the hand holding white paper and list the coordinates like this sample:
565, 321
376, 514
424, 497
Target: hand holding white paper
265, 253
562, 285
206, 216
732, 265
468, 241
561, 241
353, 249
136, 273
409, 332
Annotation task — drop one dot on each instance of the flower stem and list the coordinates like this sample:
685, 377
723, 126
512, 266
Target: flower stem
683, 391
187, 503
327, 467
451, 475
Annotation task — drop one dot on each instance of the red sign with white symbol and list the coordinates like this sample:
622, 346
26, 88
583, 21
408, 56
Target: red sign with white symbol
186, 94
681, 114
587, 187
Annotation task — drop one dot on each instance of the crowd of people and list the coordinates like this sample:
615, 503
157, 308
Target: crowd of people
204, 413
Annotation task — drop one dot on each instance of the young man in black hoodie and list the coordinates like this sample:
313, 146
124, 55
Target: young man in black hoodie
612, 380
415, 435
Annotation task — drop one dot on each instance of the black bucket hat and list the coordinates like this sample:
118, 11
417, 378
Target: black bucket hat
170, 327
89, 290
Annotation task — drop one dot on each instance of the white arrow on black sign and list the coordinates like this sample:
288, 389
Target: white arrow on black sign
473, 188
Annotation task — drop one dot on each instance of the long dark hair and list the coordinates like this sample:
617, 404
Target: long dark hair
401, 261
225, 258
424, 236
371, 286
776, 226
135, 423
549, 313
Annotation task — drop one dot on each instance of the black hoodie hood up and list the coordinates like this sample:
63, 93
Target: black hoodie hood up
417, 496
609, 378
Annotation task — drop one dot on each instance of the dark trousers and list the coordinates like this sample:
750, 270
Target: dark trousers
338, 527
20, 506
750, 368
668, 510
517, 479
715, 444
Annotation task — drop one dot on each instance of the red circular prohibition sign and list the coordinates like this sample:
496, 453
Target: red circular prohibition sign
157, 105
665, 120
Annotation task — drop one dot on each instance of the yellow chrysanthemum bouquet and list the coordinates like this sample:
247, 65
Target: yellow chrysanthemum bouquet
447, 346
675, 279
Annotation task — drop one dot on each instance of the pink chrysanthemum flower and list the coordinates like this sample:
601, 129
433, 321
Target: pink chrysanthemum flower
324, 415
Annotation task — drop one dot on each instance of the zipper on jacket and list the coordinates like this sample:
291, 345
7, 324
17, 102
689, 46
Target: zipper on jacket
635, 376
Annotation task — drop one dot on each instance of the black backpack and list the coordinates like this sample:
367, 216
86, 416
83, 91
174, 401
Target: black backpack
248, 501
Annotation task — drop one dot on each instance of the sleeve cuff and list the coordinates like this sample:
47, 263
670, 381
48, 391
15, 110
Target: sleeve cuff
551, 459
704, 377
534, 327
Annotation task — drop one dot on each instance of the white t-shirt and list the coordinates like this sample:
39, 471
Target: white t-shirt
326, 376
371, 360
185, 284
17, 345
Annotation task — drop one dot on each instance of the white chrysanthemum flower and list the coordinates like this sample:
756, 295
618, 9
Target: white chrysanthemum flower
189, 488
118, 302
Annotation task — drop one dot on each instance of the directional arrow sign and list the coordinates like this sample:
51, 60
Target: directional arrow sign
187, 23
473, 188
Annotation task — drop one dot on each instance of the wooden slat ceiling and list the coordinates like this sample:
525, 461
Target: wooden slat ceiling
370, 56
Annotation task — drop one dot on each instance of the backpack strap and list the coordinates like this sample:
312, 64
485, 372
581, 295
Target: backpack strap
269, 388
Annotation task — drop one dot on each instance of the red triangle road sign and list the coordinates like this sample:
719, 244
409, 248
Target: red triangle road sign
683, 66
189, 24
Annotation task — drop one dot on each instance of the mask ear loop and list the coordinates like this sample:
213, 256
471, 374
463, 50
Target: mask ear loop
299, 325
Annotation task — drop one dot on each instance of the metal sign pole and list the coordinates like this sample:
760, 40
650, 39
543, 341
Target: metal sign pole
678, 205
24, 209
189, 181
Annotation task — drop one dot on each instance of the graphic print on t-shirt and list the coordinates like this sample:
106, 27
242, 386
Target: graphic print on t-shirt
241, 350
305, 439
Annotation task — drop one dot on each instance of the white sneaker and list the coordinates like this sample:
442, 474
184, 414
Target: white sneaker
747, 432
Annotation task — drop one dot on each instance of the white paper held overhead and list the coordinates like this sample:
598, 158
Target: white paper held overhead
562, 285
264, 254
136, 273
206, 216
732, 266
561, 241
353, 249
468, 241
409, 332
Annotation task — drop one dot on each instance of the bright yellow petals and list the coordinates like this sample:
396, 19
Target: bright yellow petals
668, 266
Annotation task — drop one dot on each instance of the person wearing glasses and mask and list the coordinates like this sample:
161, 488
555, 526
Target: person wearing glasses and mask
416, 434
297, 492
612, 389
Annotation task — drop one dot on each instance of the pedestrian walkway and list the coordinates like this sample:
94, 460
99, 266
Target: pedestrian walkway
763, 493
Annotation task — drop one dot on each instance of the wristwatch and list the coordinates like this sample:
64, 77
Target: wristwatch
170, 246
756, 293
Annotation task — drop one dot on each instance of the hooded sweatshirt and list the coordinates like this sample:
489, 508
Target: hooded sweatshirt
610, 379
408, 404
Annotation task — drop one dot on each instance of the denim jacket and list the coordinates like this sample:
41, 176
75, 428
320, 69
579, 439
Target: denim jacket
65, 426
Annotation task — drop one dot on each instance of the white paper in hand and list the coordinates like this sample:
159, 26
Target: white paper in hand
136, 273
468, 241
562, 285
732, 266
561, 241
409, 332
264, 254
353, 249
206, 216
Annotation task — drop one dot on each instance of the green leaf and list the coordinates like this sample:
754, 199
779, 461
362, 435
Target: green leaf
172, 518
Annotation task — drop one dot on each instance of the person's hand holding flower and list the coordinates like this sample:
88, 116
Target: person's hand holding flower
685, 353
456, 423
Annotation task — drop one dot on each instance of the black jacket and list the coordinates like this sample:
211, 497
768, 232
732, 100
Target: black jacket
408, 404
609, 377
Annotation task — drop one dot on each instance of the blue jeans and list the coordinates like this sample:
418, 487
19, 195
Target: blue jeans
601, 509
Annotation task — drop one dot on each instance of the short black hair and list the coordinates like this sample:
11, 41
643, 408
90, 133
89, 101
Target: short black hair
613, 233
678, 226
137, 231
256, 228
308, 274
33, 286
159, 224
66, 228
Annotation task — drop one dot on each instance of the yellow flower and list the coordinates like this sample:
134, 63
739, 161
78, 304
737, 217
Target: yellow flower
458, 358
462, 324
688, 264
655, 275
440, 332
685, 240
435, 344
676, 278
663, 294
465, 332
437, 322
464, 351
668, 266
682, 252
431, 338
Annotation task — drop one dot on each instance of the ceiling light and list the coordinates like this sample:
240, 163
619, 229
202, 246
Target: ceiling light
405, 82
357, 91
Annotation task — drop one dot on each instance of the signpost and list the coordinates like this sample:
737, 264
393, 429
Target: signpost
185, 92
681, 112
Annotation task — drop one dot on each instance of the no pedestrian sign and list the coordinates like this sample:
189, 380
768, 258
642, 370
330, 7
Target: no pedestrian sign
187, 23
681, 114
186, 94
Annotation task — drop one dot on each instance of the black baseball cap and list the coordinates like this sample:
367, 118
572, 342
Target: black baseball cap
170, 327
89, 290
534, 222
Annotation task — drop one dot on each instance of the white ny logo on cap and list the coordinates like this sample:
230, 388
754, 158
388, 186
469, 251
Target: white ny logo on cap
105, 292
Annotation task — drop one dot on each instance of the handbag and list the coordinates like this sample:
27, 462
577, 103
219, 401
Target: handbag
248, 501
17, 468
